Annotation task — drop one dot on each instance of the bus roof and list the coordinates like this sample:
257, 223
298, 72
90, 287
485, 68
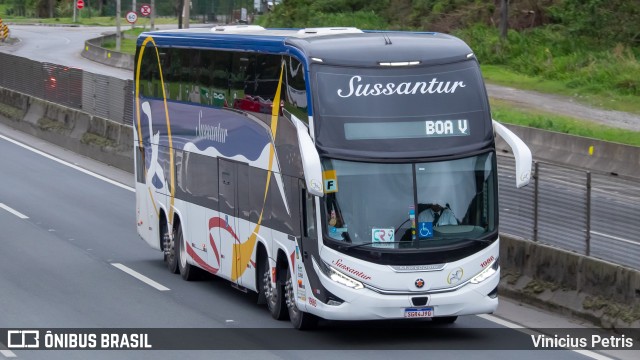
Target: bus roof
336, 46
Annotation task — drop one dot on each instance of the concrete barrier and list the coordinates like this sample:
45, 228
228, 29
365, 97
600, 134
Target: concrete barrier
604, 293
573, 151
93, 50
98, 138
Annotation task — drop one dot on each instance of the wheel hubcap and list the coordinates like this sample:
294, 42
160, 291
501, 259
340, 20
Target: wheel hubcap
183, 253
268, 289
291, 303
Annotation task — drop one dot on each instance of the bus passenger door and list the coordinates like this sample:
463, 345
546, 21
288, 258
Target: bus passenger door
228, 196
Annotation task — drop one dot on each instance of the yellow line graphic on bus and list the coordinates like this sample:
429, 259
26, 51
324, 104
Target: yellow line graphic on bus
147, 40
242, 252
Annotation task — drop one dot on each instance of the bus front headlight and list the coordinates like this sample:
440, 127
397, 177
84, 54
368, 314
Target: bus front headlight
340, 278
487, 273
337, 276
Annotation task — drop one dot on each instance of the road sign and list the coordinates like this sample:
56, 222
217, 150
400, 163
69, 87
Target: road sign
132, 17
80, 4
145, 9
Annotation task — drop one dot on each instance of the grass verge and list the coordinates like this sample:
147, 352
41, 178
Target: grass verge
504, 112
501, 75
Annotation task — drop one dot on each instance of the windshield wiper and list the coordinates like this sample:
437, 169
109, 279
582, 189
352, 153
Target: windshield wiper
483, 241
348, 247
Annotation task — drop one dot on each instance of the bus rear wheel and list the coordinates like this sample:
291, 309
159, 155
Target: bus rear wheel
301, 320
187, 271
169, 246
274, 295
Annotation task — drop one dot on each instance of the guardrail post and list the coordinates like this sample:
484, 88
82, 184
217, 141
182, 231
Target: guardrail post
535, 201
588, 239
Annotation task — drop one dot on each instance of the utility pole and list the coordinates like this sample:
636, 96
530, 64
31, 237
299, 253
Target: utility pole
504, 19
153, 14
133, 8
118, 25
185, 14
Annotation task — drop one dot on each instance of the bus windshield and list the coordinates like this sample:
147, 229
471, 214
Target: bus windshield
435, 109
410, 206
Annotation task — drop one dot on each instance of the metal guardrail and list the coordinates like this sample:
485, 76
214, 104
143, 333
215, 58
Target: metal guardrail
591, 214
588, 213
98, 95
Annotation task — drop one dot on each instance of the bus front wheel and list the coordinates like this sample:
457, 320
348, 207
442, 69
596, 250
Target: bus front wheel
301, 320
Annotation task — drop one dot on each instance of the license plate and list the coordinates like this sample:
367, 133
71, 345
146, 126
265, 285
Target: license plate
412, 313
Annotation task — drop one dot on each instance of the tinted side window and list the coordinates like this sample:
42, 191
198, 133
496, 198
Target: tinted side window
197, 178
295, 94
140, 168
257, 184
281, 219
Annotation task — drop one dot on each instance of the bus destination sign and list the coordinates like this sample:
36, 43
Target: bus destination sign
436, 128
406, 129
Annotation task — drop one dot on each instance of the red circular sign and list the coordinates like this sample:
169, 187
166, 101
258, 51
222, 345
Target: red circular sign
80, 4
145, 9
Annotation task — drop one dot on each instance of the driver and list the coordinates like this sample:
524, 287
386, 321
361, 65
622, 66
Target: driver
437, 214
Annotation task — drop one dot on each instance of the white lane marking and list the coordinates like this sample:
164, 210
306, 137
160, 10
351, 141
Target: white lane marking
616, 238
141, 277
14, 211
509, 324
51, 157
8, 353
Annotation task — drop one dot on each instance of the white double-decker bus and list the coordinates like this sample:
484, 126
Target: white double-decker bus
336, 173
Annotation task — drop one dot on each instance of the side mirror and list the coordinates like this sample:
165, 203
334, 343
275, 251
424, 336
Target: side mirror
521, 152
310, 159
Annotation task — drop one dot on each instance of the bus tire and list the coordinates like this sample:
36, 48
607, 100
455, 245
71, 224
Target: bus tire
273, 295
444, 320
187, 271
299, 319
260, 297
170, 258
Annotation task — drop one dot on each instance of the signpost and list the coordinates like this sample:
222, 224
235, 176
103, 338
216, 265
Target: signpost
132, 17
80, 4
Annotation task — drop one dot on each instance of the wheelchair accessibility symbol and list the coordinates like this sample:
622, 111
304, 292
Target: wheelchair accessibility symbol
425, 230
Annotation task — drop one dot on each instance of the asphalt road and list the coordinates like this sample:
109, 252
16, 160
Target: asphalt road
60, 45
62, 232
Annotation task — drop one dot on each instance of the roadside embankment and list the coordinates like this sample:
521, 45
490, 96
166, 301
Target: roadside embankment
604, 293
